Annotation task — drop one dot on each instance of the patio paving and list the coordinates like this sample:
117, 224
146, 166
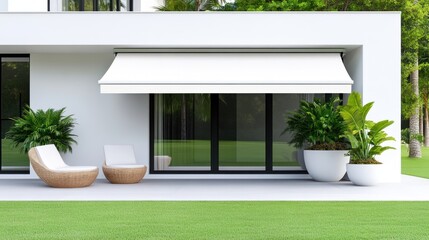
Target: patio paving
409, 189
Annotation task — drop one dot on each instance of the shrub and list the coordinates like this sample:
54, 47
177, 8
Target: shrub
41, 128
318, 125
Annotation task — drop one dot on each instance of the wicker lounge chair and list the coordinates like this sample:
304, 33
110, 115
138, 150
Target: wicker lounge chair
120, 165
50, 167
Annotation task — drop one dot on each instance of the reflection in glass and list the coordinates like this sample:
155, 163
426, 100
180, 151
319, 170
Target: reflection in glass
242, 132
285, 155
15, 88
182, 132
71, 5
97, 5
88, 5
104, 5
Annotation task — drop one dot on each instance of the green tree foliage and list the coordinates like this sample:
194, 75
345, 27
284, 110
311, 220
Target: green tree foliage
191, 5
41, 128
415, 24
283, 5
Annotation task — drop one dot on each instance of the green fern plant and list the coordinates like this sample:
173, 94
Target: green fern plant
318, 125
41, 128
366, 137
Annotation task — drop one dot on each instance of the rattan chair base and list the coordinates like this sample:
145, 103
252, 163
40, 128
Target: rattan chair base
124, 175
61, 179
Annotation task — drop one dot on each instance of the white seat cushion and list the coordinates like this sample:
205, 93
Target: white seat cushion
126, 166
76, 169
50, 156
119, 155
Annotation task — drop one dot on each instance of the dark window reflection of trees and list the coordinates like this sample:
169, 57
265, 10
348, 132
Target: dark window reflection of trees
91, 5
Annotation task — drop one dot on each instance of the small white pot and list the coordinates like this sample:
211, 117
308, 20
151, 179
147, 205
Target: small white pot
364, 174
326, 166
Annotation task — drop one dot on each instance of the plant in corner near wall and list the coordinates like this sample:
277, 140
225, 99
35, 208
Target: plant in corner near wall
40, 127
366, 137
318, 125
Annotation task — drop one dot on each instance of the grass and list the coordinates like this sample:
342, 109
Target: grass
214, 220
418, 167
11, 156
231, 153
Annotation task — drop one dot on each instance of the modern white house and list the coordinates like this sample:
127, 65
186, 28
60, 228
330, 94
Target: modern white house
198, 94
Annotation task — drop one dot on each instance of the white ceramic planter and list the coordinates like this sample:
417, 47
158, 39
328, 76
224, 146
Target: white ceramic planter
326, 166
364, 174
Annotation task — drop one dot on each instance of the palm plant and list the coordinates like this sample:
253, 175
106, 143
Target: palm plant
366, 137
41, 128
318, 125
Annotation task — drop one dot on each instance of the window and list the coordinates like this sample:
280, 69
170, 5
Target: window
182, 132
223, 133
98, 5
242, 132
15, 95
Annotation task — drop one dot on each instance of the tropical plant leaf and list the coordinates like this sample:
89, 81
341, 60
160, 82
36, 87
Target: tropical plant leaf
365, 136
316, 123
355, 100
41, 128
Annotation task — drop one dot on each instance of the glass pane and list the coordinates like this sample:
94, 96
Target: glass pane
124, 5
71, 5
242, 132
182, 132
285, 155
104, 5
15, 84
89, 5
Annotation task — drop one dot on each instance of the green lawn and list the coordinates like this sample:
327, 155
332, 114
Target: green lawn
11, 156
214, 220
418, 167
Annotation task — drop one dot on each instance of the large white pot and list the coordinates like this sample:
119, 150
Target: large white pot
326, 166
364, 174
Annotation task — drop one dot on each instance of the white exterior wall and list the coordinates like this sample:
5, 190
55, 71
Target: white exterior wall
4, 6
372, 41
59, 80
24, 5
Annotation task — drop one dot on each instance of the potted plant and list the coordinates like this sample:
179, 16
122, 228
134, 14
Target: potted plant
36, 128
366, 139
319, 128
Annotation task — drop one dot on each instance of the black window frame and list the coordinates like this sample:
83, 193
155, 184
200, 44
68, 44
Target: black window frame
214, 150
1, 170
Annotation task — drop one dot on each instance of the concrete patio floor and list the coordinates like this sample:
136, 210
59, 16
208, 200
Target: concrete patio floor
410, 188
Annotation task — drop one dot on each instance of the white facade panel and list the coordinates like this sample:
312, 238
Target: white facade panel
27, 5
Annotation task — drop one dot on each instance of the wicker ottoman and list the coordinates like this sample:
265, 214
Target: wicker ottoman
124, 174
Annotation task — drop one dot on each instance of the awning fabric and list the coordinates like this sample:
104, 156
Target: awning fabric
226, 73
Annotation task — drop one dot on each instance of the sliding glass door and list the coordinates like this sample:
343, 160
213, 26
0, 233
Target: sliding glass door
242, 132
15, 95
223, 133
182, 132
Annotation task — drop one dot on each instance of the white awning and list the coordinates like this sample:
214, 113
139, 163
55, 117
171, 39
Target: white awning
226, 73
